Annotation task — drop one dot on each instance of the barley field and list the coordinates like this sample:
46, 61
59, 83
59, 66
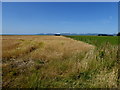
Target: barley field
58, 62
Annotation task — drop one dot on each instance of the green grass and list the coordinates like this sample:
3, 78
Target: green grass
97, 40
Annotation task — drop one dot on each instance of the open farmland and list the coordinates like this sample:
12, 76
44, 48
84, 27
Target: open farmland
57, 62
97, 40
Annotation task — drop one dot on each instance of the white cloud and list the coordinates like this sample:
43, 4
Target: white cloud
106, 21
110, 17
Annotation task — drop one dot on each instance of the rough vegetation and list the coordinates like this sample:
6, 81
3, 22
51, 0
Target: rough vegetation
57, 62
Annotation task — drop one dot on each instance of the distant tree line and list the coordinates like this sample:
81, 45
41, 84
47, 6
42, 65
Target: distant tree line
108, 34
104, 35
118, 34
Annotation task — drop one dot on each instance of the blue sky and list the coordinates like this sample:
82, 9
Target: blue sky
54, 17
0, 18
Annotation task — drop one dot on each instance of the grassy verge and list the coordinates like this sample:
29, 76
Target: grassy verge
104, 60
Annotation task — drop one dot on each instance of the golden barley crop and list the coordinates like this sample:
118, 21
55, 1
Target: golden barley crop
56, 62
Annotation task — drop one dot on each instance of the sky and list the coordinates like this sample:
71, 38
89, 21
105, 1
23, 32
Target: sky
0, 18
59, 17
60, 0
